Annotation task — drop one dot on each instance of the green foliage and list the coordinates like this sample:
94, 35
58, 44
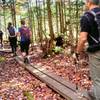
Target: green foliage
36, 13
57, 49
28, 95
2, 59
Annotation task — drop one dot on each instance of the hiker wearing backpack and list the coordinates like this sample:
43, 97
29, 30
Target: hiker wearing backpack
1, 38
25, 35
90, 32
12, 38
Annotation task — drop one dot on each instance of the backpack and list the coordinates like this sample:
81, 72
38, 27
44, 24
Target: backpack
96, 46
1, 33
25, 33
59, 41
11, 31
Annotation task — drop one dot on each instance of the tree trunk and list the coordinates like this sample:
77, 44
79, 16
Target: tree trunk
57, 20
50, 26
30, 17
4, 14
61, 16
70, 24
77, 23
13, 13
39, 20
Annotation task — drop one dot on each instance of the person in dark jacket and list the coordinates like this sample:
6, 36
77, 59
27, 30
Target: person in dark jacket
25, 35
89, 33
1, 38
59, 41
12, 38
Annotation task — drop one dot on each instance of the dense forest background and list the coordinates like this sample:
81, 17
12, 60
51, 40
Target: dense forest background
47, 19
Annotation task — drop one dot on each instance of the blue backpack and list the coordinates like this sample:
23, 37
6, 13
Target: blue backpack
11, 31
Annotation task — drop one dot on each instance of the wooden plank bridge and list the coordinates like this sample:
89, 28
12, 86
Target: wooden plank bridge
65, 88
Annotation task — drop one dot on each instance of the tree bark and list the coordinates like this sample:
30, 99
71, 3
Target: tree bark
50, 25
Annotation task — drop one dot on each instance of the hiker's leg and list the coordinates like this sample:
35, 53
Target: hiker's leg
1, 41
95, 73
27, 47
27, 52
15, 44
11, 44
22, 46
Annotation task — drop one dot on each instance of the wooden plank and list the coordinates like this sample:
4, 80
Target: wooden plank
62, 81
56, 77
62, 87
5, 50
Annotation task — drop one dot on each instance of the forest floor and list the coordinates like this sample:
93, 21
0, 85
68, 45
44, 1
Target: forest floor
16, 83
64, 65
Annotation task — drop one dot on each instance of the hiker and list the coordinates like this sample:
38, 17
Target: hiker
90, 33
1, 38
59, 41
12, 38
25, 35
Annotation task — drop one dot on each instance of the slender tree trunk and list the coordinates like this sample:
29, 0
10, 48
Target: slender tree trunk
65, 21
61, 16
30, 17
40, 25
44, 16
57, 21
34, 28
4, 14
39, 19
77, 21
37, 15
13, 12
50, 25
70, 24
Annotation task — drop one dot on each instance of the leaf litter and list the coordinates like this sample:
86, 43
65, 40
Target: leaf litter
16, 83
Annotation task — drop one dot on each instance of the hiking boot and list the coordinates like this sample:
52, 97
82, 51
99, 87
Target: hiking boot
91, 95
1, 45
26, 60
15, 54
